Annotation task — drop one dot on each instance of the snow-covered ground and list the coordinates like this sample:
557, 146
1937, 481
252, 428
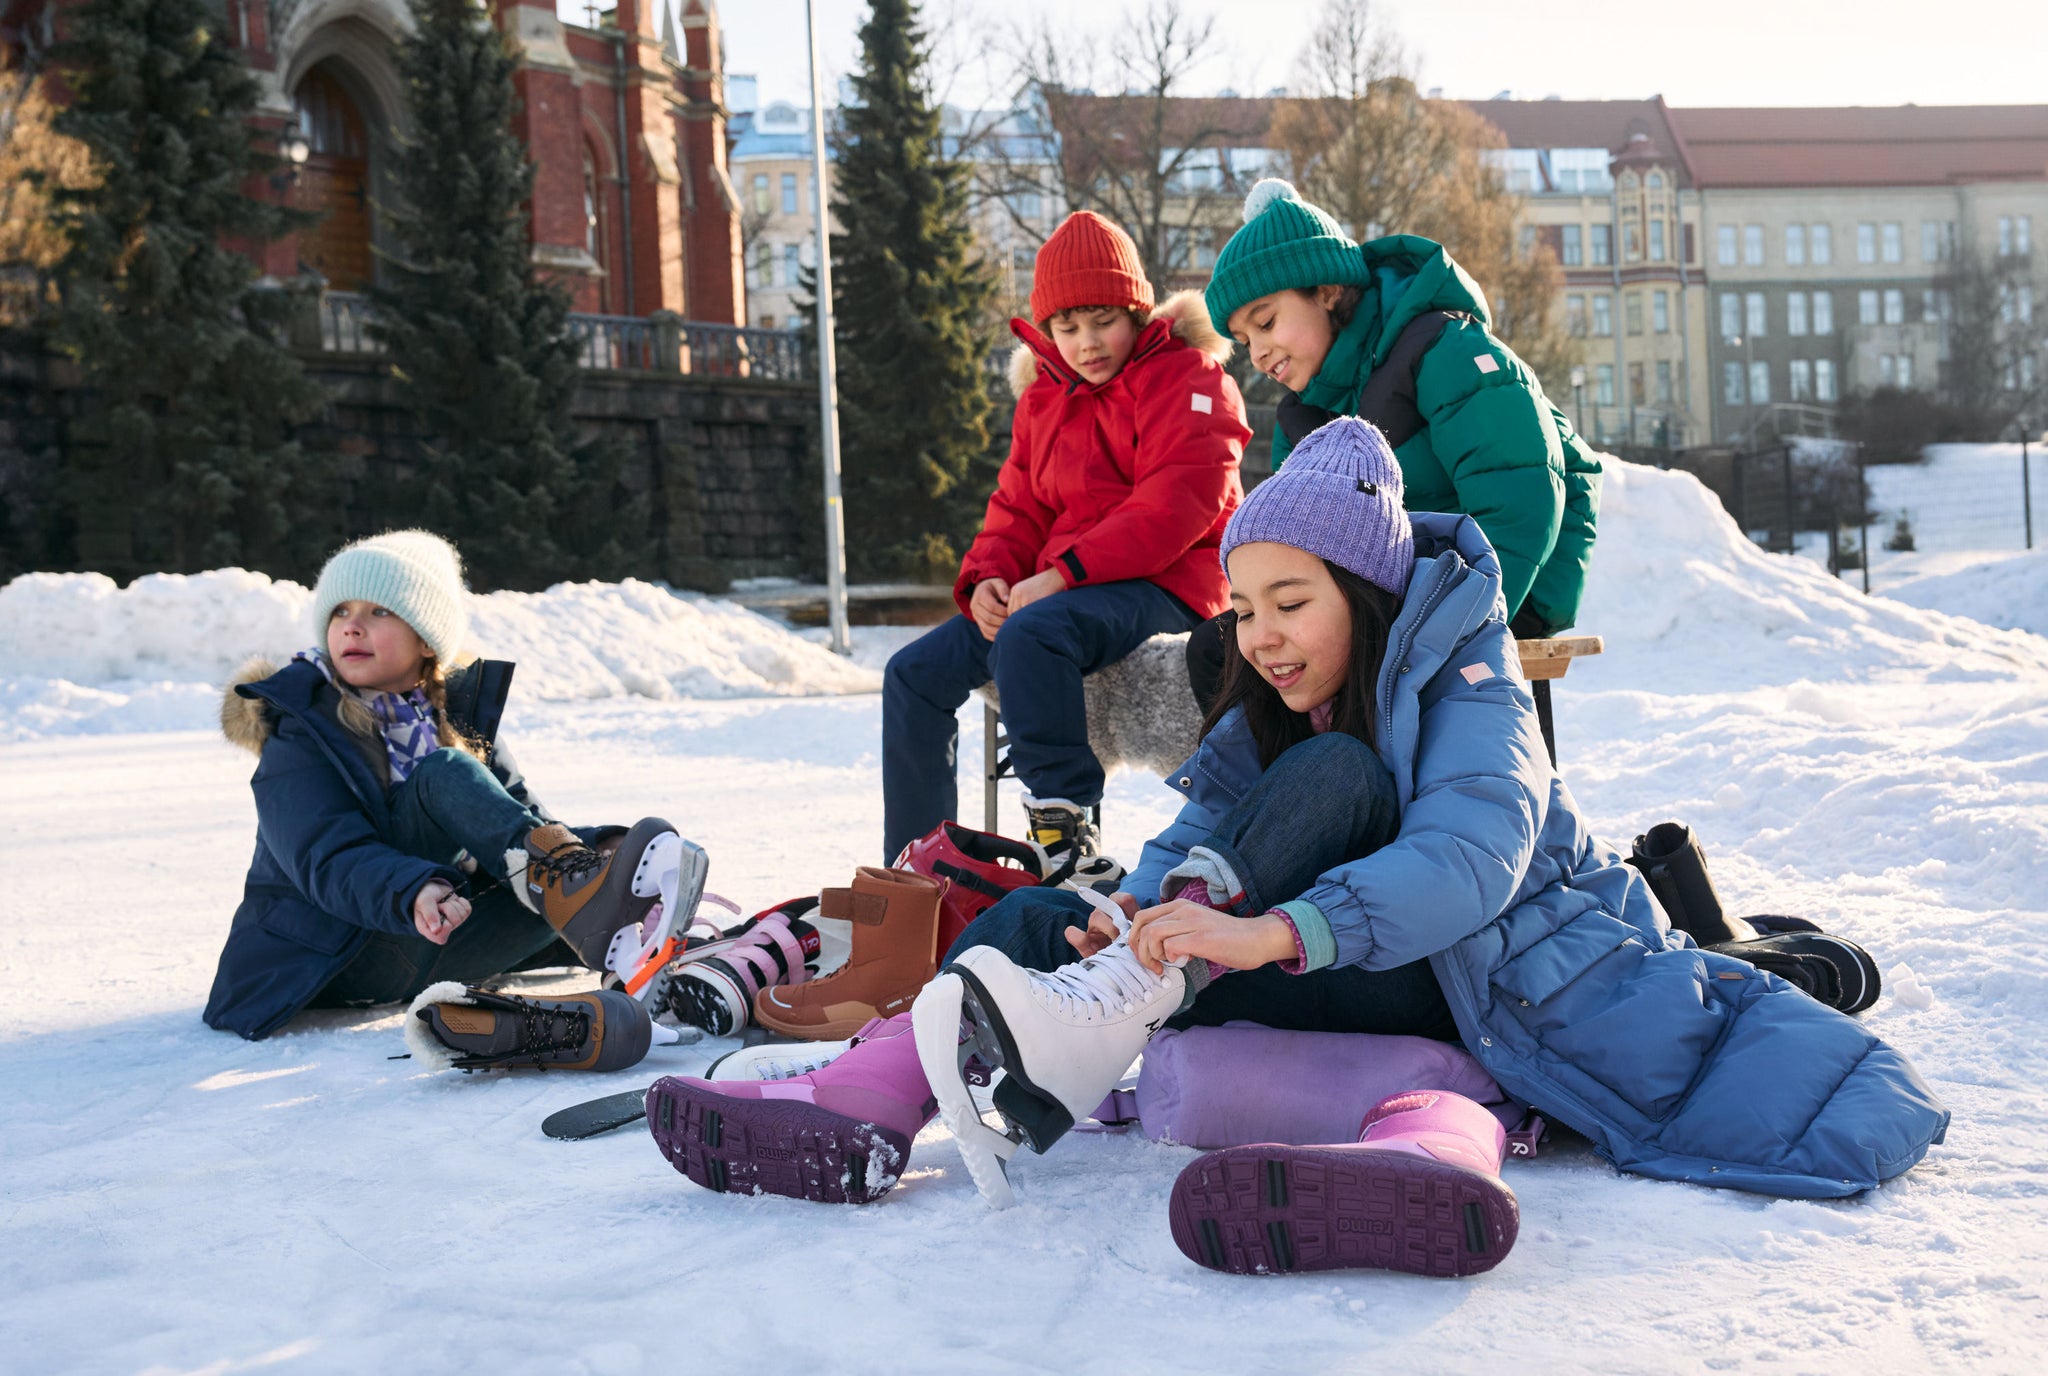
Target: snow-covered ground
180, 1200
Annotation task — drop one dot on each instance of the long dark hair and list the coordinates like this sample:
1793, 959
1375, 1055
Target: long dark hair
1274, 725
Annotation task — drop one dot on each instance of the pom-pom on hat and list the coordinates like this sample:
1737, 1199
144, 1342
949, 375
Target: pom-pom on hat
414, 573
1088, 262
1285, 242
1339, 498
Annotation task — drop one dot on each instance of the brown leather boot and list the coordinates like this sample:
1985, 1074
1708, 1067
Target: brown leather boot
588, 896
895, 917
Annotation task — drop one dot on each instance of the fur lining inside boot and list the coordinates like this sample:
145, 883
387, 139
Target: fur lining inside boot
426, 1049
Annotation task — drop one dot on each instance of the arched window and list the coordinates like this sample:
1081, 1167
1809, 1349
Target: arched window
1656, 181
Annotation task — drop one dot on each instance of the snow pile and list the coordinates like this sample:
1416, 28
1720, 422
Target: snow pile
83, 655
2011, 592
1686, 603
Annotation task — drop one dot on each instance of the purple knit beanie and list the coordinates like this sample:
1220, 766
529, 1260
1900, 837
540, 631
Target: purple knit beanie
1338, 496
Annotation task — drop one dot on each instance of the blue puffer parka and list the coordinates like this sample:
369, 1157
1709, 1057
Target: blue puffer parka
1565, 981
325, 874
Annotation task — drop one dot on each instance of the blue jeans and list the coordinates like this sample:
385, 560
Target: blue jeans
1037, 661
1324, 802
449, 803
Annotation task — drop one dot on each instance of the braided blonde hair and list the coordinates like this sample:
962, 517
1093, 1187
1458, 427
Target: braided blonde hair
357, 717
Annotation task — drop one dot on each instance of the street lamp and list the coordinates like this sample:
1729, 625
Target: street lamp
828, 371
1579, 397
294, 149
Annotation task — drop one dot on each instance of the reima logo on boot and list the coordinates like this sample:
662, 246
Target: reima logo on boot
1363, 1225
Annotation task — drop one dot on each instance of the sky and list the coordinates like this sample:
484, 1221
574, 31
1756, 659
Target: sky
1709, 52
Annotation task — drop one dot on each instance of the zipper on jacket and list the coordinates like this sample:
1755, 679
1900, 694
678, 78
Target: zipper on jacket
1408, 637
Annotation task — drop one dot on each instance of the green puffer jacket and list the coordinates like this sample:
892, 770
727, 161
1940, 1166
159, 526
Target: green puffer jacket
1493, 447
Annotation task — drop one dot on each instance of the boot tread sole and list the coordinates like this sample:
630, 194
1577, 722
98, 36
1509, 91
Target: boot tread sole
773, 1146
1273, 1209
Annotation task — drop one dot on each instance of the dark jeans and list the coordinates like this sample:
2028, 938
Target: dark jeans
1037, 660
1209, 648
448, 804
1326, 801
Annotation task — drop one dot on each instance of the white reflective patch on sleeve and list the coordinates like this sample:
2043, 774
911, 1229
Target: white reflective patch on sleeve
1476, 673
1205, 404
1487, 363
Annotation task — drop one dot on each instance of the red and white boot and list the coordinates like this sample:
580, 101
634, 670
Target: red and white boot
1420, 1191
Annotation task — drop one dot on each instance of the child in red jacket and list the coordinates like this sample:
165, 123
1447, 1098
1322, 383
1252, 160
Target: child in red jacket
1102, 532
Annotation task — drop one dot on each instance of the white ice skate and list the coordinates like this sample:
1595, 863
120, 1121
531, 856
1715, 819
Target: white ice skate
1056, 1041
675, 869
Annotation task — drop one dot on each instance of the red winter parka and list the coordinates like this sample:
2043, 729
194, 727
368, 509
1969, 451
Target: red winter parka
1131, 478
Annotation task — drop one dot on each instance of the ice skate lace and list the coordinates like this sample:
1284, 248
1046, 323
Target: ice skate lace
566, 862
1109, 984
802, 1063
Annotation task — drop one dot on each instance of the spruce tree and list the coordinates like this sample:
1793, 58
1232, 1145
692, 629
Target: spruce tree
477, 340
187, 460
911, 303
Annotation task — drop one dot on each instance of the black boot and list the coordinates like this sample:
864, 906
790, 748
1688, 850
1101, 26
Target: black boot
1832, 969
1670, 859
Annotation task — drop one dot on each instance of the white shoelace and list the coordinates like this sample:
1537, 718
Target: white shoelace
1108, 984
785, 1067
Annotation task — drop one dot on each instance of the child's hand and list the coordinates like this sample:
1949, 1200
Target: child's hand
438, 911
1180, 928
1100, 931
1036, 588
989, 605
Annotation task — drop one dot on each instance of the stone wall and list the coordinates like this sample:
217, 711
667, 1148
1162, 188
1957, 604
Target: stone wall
717, 471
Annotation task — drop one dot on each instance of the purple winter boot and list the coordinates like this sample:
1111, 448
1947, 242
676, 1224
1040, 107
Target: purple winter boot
1419, 1192
838, 1135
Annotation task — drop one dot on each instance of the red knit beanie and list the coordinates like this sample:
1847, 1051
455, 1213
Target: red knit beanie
1088, 262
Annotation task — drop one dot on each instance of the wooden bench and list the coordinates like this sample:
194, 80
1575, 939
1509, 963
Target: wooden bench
1165, 733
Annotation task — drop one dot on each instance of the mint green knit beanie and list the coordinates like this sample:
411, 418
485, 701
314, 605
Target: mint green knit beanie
414, 573
1285, 242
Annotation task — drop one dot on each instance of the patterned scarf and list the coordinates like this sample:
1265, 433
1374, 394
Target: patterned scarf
406, 720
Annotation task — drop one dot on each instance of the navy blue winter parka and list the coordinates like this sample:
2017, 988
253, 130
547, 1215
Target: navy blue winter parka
325, 874
1565, 980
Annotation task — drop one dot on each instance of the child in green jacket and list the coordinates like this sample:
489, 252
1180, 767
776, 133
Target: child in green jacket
1394, 332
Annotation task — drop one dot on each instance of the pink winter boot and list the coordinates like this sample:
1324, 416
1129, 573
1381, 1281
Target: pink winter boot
838, 1135
1419, 1192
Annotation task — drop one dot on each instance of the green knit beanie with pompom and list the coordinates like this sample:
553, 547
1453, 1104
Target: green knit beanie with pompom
1285, 242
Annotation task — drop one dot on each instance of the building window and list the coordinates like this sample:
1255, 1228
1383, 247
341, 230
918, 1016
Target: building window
1660, 312
1603, 315
1731, 383
1753, 245
1603, 385
1655, 181
1930, 241
1866, 308
1664, 382
1823, 312
1887, 370
1930, 305
767, 322
1799, 378
761, 204
1795, 245
1724, 245
1575, 315
792, 264
1753, 311
2023, 295
1866, 242
1657, 254
789, 193
1631, 242
1795, 313
1731, 315
1894, 236
1905, 370
1637, 396
1632, 309
1821, 239
2005, 236
1894, 307
1759, 383
1824, 379
764, 261
2022, 234
1602, 244
1572, 248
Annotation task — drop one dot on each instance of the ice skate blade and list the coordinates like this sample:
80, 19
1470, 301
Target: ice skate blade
675, 869
935, 1024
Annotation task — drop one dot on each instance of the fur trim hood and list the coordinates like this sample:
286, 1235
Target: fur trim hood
246, 721
1184, 312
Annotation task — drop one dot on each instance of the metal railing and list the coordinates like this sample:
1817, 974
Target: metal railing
659, 343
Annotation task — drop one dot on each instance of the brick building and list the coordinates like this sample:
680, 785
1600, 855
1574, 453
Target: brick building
633, 209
